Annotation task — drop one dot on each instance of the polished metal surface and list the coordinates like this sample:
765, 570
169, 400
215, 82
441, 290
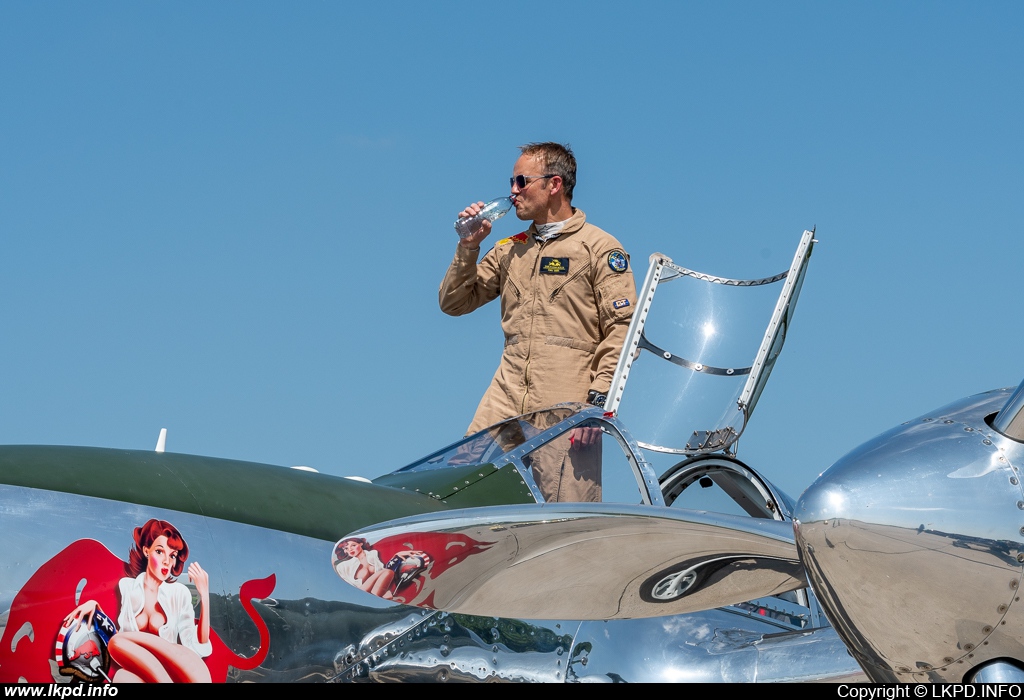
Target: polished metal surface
757, 496
998, 672
713, 646
311, 616
913, 544
462, 648
1010, 419
533, 562
323, 630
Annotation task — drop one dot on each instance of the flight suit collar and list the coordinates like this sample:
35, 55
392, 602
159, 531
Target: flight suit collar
573, 225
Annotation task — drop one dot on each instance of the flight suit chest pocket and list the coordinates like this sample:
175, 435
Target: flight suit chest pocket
510, 287
559, 283
509, 283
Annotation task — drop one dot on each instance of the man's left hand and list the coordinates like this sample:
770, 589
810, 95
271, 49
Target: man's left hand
580, 438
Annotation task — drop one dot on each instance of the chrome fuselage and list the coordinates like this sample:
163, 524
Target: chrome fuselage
914, 543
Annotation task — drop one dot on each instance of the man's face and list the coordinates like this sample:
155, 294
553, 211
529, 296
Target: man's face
531, 201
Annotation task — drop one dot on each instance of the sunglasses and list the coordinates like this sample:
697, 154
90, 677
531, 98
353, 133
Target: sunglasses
521, 181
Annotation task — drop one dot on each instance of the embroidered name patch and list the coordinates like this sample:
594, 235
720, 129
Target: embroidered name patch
554, 266
617, 261
620, 303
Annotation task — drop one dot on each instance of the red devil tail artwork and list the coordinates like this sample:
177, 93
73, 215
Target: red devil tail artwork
87, 614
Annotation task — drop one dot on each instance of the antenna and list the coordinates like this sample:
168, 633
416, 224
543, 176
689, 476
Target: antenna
161, 441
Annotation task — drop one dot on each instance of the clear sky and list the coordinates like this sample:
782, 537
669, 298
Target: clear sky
231, 219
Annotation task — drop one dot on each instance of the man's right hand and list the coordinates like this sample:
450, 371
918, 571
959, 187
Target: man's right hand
474, 240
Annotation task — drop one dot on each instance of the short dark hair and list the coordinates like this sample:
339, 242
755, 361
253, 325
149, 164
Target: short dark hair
558, 160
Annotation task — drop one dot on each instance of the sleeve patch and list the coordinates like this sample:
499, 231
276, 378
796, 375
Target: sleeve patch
617, 261
620, 303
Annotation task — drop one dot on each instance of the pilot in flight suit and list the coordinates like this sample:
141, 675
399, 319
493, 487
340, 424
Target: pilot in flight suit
566, 301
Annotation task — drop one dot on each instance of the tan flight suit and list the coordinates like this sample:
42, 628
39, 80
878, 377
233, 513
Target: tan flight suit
565, 310
564, 469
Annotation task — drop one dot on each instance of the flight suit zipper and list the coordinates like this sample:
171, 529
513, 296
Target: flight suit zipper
534, 271
508, 279
574, 276
561, 478
515, 287
526, 383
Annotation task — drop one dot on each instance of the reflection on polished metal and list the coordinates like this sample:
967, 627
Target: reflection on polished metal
713, 646
751, 491
322, 630
998, 672
913, 543
460, 648
709, 646
1010, 420
533, 560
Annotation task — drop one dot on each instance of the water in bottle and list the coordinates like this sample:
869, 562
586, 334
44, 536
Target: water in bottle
492, 211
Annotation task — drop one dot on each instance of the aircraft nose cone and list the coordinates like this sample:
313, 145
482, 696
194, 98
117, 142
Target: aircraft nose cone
911, 544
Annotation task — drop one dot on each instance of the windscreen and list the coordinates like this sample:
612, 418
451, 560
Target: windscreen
695, 355
700, 351
493, 442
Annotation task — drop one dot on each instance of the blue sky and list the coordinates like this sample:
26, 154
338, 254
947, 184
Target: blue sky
231, 220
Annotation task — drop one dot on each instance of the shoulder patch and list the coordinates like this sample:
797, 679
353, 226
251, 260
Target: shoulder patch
518, 238
620, 303
617, 261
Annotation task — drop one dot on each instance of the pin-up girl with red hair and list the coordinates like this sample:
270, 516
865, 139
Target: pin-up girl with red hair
158, 638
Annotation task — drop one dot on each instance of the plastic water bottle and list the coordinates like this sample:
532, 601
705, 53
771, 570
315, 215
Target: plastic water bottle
492, 211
